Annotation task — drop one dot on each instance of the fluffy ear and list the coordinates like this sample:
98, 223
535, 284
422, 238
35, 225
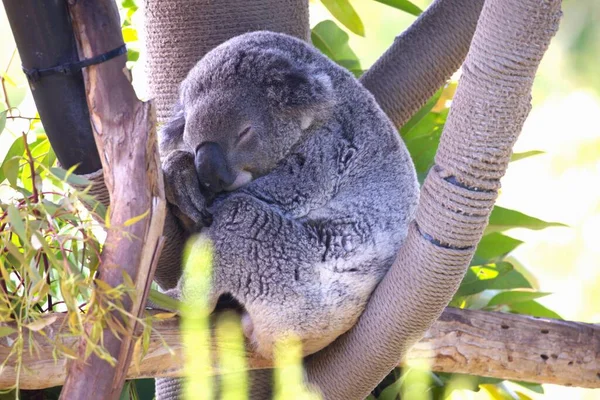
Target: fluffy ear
300, 90
171, 133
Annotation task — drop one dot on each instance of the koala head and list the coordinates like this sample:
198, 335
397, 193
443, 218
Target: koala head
244, 106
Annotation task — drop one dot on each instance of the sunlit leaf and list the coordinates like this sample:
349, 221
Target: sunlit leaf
494, 276
137, 218
512, 297
403, 5
163, 301
129, 34
502, 219
343, 11
526, 154
133, 55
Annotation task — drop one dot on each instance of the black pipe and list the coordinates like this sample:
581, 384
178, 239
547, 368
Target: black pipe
45, 39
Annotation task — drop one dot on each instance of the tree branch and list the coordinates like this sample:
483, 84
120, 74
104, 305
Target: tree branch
498, 345
124, 134
423, 58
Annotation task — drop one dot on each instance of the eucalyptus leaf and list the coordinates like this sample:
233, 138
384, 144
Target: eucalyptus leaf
10, 165
2, 120
501, 275
516, 296
403, 5
526, 154
534, 309
68, 177
343, 11
502, 219
332, 41
493, 247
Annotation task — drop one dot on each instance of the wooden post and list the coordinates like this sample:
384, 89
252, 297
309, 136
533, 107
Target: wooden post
124, 133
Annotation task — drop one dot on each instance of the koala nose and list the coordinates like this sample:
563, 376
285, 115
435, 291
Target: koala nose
212, 167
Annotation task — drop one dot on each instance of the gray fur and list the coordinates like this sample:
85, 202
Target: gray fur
303, 245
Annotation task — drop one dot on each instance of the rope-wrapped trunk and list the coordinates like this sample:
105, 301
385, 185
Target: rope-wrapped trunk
487, 114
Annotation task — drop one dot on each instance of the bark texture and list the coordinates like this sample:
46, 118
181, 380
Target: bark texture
124, 134
492, 344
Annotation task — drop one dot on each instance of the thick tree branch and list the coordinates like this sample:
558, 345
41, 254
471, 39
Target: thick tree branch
497, 345
423, 58
124, 134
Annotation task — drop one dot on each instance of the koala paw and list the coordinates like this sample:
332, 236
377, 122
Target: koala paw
183, 192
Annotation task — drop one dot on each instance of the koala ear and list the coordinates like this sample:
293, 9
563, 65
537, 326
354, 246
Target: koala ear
306, 93
171, 133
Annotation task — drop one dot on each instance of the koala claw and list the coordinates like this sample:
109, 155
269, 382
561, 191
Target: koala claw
183, 191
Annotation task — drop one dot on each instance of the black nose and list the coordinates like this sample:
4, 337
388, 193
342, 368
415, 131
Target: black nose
212, 167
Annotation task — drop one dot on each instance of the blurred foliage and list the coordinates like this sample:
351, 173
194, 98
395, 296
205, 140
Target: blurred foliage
50, 246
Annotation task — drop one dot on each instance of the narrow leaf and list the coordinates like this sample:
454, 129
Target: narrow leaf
16, 222
2, 120
526, 154
41, 323
343, 11
69, 177
512, 297
135, 219
6, 330
534, 309
10, 165
403, 5
502, 219
494, 246
332, 41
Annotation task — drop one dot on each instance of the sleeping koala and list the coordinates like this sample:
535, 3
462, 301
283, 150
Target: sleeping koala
287, 164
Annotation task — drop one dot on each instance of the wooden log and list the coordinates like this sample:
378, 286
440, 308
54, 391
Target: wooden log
124, 133
498, 345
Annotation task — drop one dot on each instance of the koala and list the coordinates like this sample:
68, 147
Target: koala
286, 164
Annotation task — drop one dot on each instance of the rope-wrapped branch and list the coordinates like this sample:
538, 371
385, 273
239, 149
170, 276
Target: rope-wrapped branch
487, 114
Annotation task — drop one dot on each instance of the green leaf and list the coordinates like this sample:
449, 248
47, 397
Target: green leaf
419, 115
502, 219
163, 301
6, 330
392, 391
343, 11
132, 55
501, 275
128, 4
534, 309
534, 387
515, 296
494, 246
16, 222
10, 165
3, 120
69, 177
333, 42
526, 154
403, 5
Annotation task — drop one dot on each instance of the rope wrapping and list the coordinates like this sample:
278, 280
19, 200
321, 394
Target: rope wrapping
487, 114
